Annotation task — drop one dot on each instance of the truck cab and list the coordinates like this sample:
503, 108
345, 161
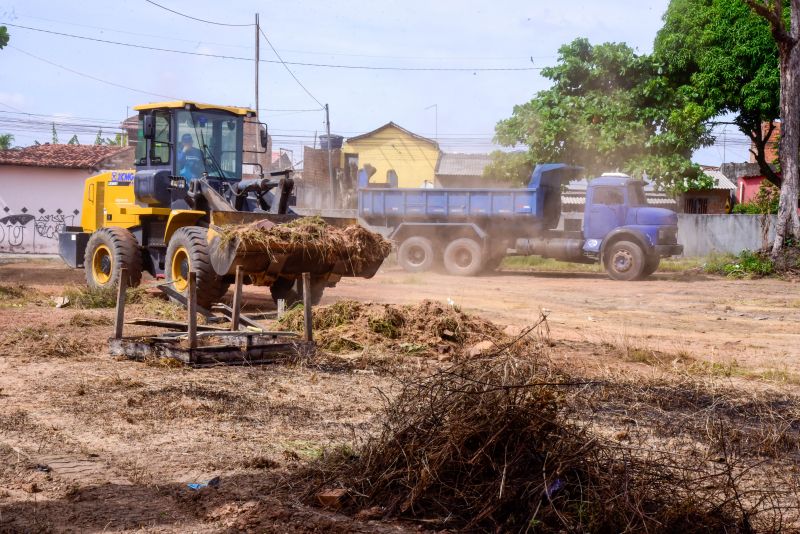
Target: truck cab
616, 211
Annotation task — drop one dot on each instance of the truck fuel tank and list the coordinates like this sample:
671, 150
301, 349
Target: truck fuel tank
559, 248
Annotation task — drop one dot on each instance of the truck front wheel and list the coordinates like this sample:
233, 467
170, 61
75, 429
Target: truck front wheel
463, 257
415, 254
651, 265
624, 261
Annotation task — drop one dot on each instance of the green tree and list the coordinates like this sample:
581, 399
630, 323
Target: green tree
5, 141
721, 56
54, 135
4, 37
74, 140
513, 168
610, 109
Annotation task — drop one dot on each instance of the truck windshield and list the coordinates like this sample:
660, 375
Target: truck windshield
209, 142
636, 196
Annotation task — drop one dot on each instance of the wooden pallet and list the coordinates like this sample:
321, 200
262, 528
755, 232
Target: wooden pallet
245, 343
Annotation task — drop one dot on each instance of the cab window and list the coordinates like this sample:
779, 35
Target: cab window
608, 196
159, 151
141, 143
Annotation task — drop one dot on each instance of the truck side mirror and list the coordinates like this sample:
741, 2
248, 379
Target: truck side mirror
263, 136
148, 127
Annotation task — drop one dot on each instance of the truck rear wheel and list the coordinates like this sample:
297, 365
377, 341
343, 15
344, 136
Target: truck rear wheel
463, 257
108, 251
624, 261
188, 251
415, 254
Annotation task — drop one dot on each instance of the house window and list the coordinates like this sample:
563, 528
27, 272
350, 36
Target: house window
695, 205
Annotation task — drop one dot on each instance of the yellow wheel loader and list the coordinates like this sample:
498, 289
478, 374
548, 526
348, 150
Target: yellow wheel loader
166, 216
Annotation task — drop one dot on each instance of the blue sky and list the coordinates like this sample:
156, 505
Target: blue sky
408, 33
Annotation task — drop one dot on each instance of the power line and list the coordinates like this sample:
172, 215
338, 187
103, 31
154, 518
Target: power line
289, 70
89, 76
195, 18
281, 61
327, 53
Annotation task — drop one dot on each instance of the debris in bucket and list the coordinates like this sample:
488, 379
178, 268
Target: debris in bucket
312, 235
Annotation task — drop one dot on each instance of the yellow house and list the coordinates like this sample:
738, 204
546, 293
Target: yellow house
393, 148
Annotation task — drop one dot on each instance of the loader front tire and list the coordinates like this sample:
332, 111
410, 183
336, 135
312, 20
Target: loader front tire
108, 251
188, 251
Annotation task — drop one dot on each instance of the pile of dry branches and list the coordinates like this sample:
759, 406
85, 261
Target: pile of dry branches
313, 237
505, 443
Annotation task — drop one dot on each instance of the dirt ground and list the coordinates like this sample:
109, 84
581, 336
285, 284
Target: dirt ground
88, 443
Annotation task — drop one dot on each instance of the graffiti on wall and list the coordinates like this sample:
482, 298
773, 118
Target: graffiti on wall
28, 232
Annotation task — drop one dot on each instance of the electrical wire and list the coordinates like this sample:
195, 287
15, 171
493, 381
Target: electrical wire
89, 76
326, 53
165, 8
321, 105
281, 61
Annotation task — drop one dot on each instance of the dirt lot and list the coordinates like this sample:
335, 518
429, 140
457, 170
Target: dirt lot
89, 444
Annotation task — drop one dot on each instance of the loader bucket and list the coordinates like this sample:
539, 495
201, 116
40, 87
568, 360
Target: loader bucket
266, 262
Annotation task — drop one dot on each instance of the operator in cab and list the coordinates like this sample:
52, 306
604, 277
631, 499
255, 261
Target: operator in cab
190, 159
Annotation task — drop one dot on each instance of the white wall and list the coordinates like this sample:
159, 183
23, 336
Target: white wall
36, 203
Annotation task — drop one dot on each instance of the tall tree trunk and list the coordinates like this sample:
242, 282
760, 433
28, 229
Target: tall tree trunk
788, 223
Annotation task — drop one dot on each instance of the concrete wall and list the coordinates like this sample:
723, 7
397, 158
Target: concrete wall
701, 235
36, 203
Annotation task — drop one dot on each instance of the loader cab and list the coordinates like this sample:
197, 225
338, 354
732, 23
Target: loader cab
191, 140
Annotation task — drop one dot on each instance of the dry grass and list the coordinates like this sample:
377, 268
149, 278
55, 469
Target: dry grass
83, 320
43, 342
84, 297
19, 295
508, 442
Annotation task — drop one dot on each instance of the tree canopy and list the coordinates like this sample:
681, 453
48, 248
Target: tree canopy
5, 141
610, 109
3, 36
721, 56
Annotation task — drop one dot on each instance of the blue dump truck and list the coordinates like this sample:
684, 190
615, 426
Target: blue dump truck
470, 231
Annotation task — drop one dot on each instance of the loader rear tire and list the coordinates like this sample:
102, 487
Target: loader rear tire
415, 254
108, 251
188, 251
463, 257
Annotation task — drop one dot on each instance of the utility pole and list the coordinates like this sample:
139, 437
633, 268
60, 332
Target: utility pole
258, 46
330, 163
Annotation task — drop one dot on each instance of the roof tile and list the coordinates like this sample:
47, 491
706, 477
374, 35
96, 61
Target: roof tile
59, 156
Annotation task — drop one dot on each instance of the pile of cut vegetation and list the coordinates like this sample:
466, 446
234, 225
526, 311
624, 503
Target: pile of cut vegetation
429, 327
312, 236
504, 444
